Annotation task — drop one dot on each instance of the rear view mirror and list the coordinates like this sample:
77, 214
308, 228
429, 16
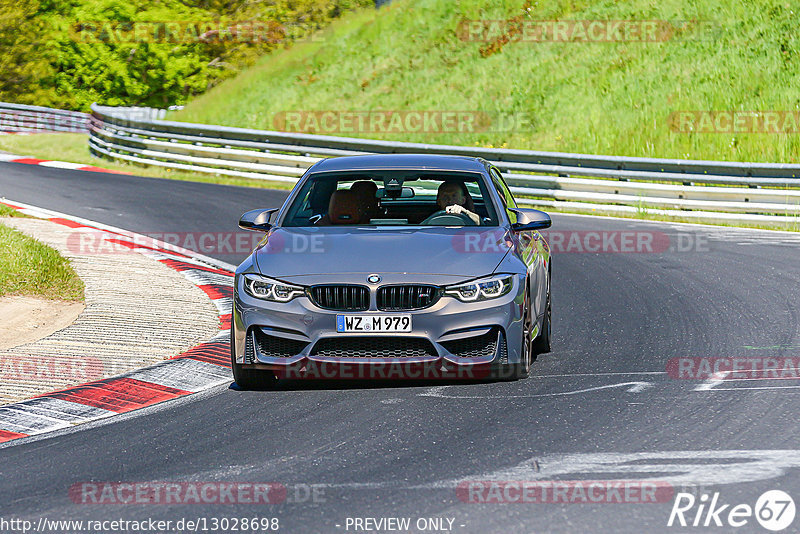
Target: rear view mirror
530, 219
257, 220
405, 192
393, 188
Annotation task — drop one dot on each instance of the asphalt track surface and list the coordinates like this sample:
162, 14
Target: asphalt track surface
401, 449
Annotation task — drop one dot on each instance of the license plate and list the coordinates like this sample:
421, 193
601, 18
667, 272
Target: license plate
373, 323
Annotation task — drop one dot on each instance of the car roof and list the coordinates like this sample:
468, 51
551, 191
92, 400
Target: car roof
400, 161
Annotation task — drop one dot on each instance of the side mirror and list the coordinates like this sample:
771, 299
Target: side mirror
530, 219
257, 220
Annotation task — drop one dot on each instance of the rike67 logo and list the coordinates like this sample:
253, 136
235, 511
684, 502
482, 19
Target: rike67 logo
774, 510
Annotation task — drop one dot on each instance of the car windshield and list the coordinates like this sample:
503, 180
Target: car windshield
392, 198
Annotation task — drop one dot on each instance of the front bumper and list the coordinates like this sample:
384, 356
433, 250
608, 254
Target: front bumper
451, 333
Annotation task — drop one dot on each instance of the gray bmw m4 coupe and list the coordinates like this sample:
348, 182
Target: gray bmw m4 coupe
393, 266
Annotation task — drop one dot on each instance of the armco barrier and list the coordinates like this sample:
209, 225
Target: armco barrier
759, 192
726, 190
23, 118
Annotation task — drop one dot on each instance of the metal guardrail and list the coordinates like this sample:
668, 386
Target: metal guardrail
766, 192
136, 113
24, 118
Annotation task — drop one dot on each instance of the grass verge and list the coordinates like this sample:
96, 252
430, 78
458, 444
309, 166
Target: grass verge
30, 268
5, 211
573, 95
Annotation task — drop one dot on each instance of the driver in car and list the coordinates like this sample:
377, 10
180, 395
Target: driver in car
452, 198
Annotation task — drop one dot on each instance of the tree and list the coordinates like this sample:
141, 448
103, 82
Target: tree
22, 66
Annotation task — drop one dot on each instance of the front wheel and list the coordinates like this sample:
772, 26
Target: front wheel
541, 344
523, 369
249, 378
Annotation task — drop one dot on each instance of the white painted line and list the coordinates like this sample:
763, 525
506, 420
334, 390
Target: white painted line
100, 233
9, 157
767, 377
62, 165
33, 213
439, 391
713, 381
603, 374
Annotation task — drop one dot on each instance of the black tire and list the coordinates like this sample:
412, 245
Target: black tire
541, 344
523, 370
249, 378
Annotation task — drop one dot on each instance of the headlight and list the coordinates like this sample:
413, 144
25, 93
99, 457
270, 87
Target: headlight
483, 289
264, 288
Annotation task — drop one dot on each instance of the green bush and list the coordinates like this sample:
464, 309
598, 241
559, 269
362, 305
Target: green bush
71, 53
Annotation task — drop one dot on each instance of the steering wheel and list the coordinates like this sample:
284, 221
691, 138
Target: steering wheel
442, 218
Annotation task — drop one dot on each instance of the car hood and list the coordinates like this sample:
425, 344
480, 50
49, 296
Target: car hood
459, 252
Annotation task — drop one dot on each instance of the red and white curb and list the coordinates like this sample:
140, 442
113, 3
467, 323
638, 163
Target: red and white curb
199, 368
13, 158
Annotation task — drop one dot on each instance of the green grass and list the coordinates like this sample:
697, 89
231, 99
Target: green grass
601, 98
5, 211
30, 268
73, 148
61, 146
